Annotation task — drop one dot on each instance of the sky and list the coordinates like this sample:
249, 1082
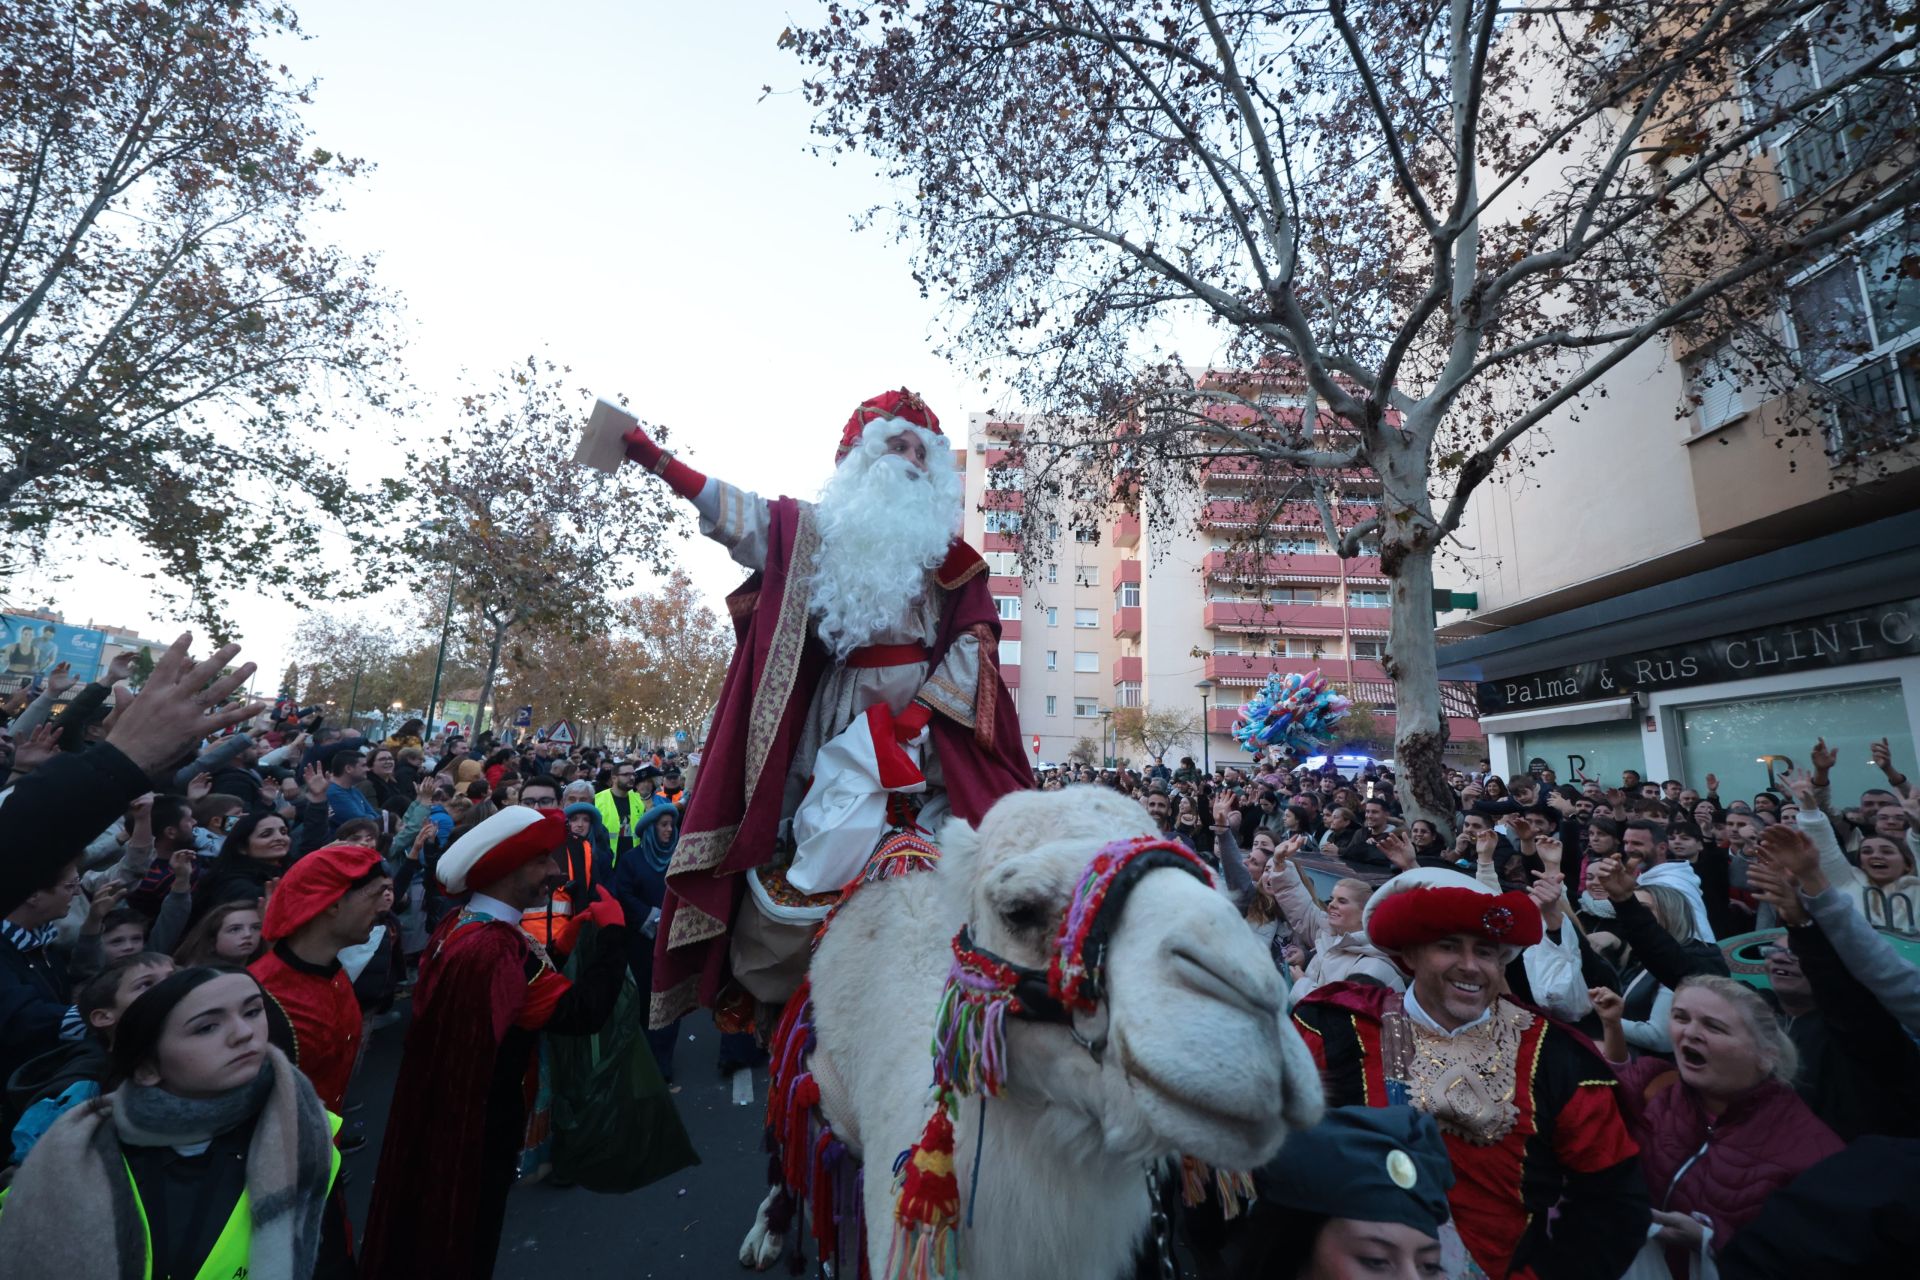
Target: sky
606, 184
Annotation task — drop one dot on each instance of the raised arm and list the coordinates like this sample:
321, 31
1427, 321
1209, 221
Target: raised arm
734, 518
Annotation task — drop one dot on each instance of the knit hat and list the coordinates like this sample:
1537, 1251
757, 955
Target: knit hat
1427, 904
313, 884
902, 405
1371, 1164
502, 843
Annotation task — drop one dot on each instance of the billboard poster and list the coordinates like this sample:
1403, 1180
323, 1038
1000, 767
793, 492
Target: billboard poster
30, 647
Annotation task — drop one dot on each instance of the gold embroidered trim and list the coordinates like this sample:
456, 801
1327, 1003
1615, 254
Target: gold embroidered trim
976, 565
783, 653
1468, 1082
703, 850
676, 1002
692, 925
949, 699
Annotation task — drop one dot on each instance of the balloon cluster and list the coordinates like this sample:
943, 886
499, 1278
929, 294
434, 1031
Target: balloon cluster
1294, 711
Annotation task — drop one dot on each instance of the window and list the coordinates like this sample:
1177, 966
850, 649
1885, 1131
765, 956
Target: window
1129, 596
1009, 653
1717, 381
1008, 607
1129, 694
1087, 535
1053, 530
1085, 576
1053, 616
1293, 595
1086, 619
1053, 659
1006, 476
1370, 650
1226, 651
1053, 705
1728, 738
1003, 522
1086, 708
1053, 573
1003, 564
1851, 127
1369, 599
1292, 647
1084, 661
1855, 322
1295, 546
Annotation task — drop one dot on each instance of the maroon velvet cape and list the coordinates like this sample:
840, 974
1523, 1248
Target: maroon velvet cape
734, 815
437, 1184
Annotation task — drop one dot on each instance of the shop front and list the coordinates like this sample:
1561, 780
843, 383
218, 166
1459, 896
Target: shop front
1734, 672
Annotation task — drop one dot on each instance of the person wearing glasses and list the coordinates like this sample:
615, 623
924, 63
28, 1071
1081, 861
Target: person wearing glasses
621, 808
33, 977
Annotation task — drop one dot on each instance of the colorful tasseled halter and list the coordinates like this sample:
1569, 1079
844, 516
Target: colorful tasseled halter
970, 1038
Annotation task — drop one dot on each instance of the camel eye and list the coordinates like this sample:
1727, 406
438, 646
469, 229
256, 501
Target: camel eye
1028, 915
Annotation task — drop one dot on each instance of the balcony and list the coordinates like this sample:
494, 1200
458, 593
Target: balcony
1004, 584
1249, 671
1000, 542
1010, 676
1295, 619
1124, 572
1126, 623
1127, 669
1126, 531
1003, 500
1010, 628
1233, 514
1234, 566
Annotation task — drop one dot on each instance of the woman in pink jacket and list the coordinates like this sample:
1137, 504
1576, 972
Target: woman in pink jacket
1720, 1128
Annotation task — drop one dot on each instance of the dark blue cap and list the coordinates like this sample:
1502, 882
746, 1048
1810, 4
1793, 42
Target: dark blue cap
1370, 1164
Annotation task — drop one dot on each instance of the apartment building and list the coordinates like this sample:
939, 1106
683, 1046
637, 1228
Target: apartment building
1176, 614
1698, 578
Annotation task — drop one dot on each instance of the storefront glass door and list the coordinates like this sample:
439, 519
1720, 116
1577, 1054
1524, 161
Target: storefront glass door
1729, 738
1602, 748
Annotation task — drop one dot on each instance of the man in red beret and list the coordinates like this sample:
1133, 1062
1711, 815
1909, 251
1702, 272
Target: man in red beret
866, 614
469, 1113
1546, 1179
328, 901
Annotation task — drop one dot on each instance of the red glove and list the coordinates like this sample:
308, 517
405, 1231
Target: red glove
605, 912
684, 479
908, 724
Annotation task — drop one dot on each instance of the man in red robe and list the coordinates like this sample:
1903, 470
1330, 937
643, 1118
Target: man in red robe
864, 604
468, 1116
1547, 1181
328, 901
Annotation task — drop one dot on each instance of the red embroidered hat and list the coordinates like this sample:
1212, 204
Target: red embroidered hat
313, 884
902, 404
1431, 903
505, 842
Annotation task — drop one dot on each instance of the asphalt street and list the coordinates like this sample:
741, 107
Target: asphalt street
686, 1225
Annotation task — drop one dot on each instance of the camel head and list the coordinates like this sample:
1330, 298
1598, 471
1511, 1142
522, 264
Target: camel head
1187, 1048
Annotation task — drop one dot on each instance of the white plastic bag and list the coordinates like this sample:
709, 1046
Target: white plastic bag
844, 813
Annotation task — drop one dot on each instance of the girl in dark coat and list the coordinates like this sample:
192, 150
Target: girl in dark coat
640, 884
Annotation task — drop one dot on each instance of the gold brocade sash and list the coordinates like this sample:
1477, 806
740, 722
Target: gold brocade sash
1467, 1082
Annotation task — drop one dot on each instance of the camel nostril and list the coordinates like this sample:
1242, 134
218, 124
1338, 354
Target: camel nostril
1213, 977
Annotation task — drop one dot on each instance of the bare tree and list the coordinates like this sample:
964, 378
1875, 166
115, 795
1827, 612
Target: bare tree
1417, 230
166, 312
534, 543
1156, 730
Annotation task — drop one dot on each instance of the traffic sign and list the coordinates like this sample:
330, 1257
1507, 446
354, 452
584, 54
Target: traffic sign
561, 733
522, 717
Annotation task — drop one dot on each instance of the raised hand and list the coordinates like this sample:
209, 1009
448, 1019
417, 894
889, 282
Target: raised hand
1713, 785
1789, 849
1799, 785
1398, 849
1883, 761
1771, 884
181, 865
1560, 804
1223, 810
120, 667
1607, 1004
424, 792
1823, 757
1549, 851
41, 746
105, 899
315, 779
1613, 877
1546, 891
180, 705
200, 787
60, 679
1486, 844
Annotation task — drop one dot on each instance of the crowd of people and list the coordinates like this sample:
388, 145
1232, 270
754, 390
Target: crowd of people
1665, 1117
209, 906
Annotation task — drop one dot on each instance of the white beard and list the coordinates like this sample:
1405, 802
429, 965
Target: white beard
883, 527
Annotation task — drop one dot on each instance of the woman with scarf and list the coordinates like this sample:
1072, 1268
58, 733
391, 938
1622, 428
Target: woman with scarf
640, 885
255, 852
210, 1155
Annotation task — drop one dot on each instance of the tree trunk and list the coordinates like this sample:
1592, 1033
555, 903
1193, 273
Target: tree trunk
1420, 727
493, 668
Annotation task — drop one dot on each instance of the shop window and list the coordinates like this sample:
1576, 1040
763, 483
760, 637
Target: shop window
1605, 746
1732, 738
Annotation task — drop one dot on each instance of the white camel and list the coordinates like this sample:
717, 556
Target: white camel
1189, 1053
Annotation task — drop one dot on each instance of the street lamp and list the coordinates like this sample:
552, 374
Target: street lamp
1206, 759
1106, 722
